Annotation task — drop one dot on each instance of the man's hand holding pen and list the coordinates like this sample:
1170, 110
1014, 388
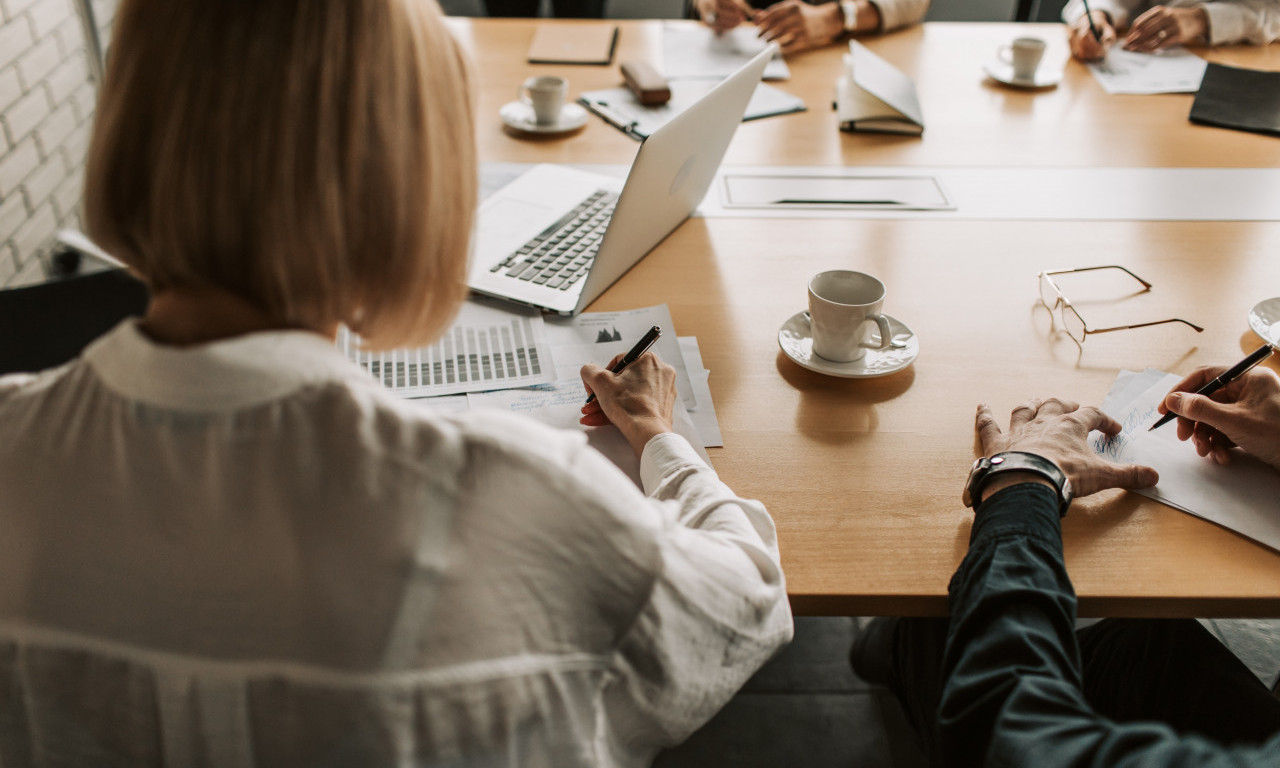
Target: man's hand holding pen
639, 400
1245, 413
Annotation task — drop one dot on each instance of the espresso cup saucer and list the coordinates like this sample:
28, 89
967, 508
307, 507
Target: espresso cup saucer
519, 116
796, 340
1002, 72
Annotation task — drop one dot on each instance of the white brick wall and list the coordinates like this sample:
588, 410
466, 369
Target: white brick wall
46, 107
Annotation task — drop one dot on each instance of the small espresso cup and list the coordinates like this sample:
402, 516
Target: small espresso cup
1024, 56
546, 95
843, 307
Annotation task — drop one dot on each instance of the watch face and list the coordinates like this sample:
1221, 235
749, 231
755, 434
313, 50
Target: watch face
979, 465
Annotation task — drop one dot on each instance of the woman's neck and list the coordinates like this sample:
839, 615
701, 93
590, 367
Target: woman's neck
186, 316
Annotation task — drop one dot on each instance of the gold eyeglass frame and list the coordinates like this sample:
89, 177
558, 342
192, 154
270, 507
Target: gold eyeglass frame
1062, 304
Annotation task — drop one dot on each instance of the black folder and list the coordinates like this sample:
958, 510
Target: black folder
1242, 99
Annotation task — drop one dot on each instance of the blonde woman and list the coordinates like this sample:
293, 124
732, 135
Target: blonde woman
222, 544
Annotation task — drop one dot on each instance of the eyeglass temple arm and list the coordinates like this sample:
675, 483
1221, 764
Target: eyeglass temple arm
1144, 325
1091, 269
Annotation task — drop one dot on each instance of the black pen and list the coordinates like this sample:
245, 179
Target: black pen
639, 349
1088, 15
1233, 373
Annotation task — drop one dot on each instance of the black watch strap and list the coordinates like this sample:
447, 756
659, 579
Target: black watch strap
985, 469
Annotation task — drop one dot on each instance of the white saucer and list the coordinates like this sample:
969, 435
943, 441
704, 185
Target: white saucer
1003, 73
796, 341
1264, 319
518, 115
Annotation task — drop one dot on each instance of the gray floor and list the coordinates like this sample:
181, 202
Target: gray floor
807, 708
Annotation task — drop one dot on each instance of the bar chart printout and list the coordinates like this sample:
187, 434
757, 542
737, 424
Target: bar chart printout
487, 348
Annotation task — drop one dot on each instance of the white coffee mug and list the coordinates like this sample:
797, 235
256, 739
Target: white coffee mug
546, 95
842, 307
1024, 56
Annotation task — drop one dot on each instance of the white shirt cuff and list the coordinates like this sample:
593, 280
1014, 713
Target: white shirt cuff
663, 455
1226, 23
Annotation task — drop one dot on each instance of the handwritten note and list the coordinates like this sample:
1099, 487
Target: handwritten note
1243, 495
1175, 70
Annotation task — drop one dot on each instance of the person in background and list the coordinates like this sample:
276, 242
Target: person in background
225, 544
1008, 680
796, 25
1152, 27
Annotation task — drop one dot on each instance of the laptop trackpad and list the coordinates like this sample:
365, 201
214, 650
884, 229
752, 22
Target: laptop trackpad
511, 218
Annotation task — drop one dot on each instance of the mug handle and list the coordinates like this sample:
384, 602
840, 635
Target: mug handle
1005, 54
886, 336
522, 95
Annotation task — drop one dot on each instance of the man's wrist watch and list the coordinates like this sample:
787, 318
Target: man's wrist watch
849, 16
986, 469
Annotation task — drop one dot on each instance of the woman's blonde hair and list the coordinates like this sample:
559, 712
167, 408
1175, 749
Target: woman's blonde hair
314, 157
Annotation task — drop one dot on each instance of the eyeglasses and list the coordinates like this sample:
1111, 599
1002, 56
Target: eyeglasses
1068, 317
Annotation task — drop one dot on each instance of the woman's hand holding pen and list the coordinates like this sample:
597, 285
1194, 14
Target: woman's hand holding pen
724, 15
1244, 413
640, 400
1086, 47
797, 26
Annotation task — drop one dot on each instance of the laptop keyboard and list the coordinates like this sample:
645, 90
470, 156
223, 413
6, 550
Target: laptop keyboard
560, 255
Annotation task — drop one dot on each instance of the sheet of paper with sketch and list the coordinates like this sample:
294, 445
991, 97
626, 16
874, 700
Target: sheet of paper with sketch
1243, 495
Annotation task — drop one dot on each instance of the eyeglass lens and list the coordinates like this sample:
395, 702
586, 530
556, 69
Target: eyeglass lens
1063, 315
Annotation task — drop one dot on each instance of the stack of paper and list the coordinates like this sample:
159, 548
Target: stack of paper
690, 51
1241, 495
515, 360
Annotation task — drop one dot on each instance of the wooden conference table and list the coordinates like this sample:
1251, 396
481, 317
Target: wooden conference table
864, 476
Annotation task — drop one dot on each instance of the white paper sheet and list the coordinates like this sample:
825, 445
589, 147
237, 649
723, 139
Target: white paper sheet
1174, 70
560, 405
617, 332
488, 347
1243, 496
704, 418
694, 52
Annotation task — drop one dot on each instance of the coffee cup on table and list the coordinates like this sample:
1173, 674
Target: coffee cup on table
843, 308
545, 94
1023, 55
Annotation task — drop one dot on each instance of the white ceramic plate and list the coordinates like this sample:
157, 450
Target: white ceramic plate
796, 341
1003, 73
518, 115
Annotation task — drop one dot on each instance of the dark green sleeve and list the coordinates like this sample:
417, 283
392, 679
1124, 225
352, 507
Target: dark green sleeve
1012, 694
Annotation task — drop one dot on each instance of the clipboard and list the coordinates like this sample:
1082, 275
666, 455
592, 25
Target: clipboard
620, 108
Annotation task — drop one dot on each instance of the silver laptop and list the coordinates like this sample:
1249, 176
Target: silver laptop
557, 237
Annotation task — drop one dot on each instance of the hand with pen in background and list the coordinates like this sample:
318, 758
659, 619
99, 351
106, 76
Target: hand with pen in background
1158, 27
1243, 414
795, 25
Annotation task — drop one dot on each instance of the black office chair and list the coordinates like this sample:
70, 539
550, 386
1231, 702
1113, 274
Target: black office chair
1039, 10
45, 325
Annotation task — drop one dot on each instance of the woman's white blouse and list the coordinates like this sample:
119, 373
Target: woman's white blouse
246, 553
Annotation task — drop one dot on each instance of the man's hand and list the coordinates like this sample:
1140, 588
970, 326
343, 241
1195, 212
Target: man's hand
1084, 46
1244, 413
1164, 27
724, 15
1056, 430
797, 26
640, 401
